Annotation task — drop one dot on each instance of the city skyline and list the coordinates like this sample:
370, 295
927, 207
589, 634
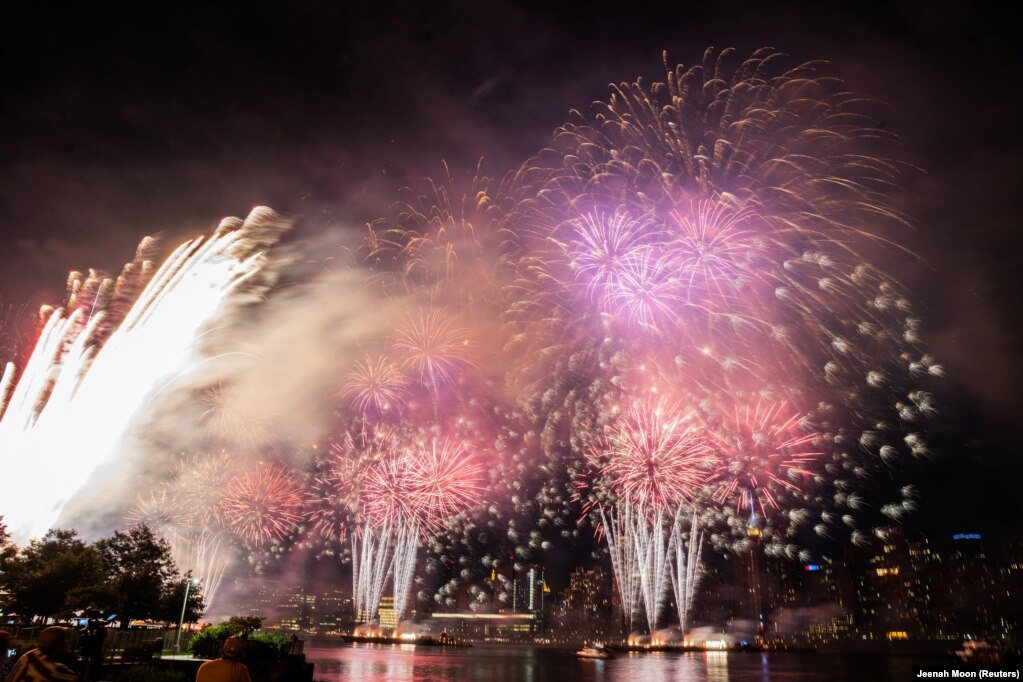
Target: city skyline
904, 590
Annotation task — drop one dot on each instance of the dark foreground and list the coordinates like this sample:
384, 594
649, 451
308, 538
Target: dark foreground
387, 663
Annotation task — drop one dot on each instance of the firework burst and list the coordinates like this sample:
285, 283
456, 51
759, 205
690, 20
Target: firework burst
412, 492
767, 450
445, 479
655, 454
337, 497
199, 484
444, 244
186, 510
432, 347
654, 461
161, 510
716, 228
263, 505
374, 385
721, 219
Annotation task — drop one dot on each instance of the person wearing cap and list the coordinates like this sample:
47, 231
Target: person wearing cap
227, 668
41, 664
6, 662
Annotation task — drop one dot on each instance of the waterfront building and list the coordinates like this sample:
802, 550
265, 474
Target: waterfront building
386, 614
335, 611
809, 608
585, 609
1010, 569
971, 591
488, 627
530, 595
886, 608
926, 574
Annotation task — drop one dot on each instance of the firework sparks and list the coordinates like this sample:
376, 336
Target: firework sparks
15, 324
713, 227
432, 347
246, 428
654, 456
413, 491
263, 505
200, 482
196, 544
71, 387
338, 500
161, 510
767, 451
375, 386
654, 460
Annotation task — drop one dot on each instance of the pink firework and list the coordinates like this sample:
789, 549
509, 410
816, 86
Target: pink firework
713, 249
337, 496
375, 385
447, 478
599, 250
766, 451
425, 483
326, 509
620, 262
389, 490
263, 505
654, 456
433, 348
647, 291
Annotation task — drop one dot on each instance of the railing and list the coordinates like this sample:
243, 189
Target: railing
132, 645
117, 644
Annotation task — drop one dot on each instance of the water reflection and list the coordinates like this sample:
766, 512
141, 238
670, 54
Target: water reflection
717, 666
406, 663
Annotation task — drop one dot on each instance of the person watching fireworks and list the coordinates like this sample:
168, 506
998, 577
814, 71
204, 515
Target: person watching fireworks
41, 664
227, 668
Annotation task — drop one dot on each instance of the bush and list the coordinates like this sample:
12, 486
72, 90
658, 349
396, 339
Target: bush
263, 647
148, 673
207, 643
268, 646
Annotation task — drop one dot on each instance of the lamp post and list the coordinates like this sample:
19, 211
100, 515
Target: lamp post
184, 607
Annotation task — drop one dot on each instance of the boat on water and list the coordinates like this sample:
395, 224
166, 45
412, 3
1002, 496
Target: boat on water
595, 651
979, 652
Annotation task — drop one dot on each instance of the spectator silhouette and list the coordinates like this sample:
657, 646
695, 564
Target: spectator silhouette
227, 668
90, 644
41, 664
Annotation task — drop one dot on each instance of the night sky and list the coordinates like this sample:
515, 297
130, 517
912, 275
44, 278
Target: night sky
119, 120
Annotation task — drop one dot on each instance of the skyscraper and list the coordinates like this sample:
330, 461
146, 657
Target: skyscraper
885, 606
972, 589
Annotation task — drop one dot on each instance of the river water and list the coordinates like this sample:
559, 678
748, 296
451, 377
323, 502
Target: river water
395, 663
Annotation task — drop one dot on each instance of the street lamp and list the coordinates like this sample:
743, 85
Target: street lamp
184, 606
